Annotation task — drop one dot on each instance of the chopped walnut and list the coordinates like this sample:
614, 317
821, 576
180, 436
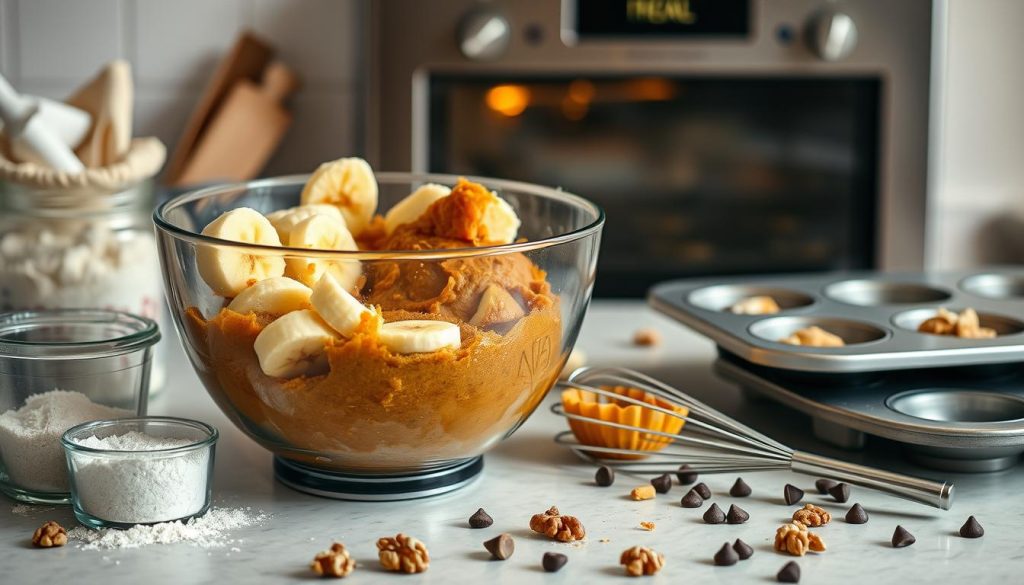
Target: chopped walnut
558, 527
50, 534
966, 325
640, 560
648, 526
643, 493
759, 305
334, 562
813, 336
646, 337
795, 539
811, 516
403, 553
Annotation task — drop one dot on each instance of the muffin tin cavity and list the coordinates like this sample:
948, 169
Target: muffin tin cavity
958, 406
994, 286
913, 318
723, 297
870, 293
852, 332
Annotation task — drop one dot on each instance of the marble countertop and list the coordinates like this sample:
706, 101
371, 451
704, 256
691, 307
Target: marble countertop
525, 475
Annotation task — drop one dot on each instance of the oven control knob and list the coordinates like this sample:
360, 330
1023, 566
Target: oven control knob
832, 35
484, 35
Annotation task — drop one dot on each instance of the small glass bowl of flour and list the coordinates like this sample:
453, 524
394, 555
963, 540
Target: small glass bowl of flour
139, 470
60, 368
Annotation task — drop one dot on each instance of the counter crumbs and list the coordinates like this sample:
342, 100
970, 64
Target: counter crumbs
644, 492
334, 562
558, 527
640, 560
648, 526
403, 554
646, 337
49, 535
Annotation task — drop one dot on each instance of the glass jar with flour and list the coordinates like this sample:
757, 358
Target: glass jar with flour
81, 248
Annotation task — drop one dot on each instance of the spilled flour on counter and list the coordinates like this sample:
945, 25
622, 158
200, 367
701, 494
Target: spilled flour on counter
209, 531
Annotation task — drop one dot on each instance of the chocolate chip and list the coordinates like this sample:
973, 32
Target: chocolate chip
501, 547
841, 492
902, 538
605, 476
823, 485
553, 562
662, 484
740, 489
692, 500
792, 494
744, 550
736, 515
726, 556
685, 476
972, 529
702, 489
857, 515
789, 573
714, 515
480, 519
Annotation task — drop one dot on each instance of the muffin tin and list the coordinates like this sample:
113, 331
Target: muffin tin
956, 404
876, 314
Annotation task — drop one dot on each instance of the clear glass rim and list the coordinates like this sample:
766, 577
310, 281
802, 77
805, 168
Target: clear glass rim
89, 428
144, 333
159, 218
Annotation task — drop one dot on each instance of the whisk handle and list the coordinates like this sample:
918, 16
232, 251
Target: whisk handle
939, 495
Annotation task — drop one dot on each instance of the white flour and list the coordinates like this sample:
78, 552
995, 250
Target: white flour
138, 488
30, 437
208, 531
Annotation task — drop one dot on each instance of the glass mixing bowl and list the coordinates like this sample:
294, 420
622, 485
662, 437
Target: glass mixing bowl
375, 425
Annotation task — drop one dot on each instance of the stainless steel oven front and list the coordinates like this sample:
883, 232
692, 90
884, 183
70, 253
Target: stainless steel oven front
721, 136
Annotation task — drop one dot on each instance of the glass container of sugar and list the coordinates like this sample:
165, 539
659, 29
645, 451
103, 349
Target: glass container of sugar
81, 248
141, 470
60, 368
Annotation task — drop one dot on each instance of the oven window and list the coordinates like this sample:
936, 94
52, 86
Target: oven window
697, 175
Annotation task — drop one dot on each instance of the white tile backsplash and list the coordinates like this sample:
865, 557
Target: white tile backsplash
62, 39
318, 36
322, 129
163, 113
179, 42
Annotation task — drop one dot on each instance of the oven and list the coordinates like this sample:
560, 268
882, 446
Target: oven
720, 136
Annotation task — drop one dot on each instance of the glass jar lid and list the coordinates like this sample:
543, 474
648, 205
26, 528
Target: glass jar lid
74, 333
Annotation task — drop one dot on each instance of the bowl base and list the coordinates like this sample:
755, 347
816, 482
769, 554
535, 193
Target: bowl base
379, 488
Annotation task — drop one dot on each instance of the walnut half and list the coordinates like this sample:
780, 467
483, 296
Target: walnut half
558, 527
640, 560
811, 515
335, 562
50, 534
403, 553
795, 539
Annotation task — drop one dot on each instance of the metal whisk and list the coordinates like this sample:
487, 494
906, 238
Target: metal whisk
711, 442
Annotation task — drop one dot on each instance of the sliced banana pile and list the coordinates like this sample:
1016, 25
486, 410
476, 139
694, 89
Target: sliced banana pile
309, 297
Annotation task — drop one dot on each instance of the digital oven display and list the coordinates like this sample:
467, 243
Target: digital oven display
591, 19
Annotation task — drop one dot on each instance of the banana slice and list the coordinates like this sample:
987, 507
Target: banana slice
496, 306
501, 221
322, 232
292, 344
412, 207
274, 296
338, 308
419, 336
229, 272
349, 185
285, 220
